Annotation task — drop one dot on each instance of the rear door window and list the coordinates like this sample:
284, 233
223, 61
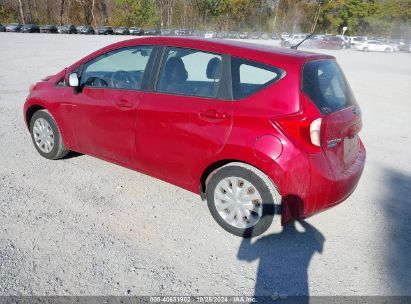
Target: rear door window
250, 77
325, 84
190, 72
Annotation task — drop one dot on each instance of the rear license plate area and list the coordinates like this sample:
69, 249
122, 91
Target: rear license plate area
351, 146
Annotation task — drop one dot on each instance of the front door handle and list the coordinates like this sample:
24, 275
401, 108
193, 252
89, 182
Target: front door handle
213, 114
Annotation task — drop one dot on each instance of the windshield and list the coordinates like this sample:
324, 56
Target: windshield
325, 84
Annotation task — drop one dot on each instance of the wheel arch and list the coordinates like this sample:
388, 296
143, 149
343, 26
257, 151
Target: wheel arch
206, 174
38, 106
208, 171
30, 112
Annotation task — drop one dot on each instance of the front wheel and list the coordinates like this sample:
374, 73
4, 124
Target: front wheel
365, 49
46, 136
242, 199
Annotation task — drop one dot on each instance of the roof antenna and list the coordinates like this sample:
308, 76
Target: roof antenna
317, 14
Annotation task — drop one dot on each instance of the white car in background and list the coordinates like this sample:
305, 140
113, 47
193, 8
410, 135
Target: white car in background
355, 40
375, 46
209, 35
285, 35
293, 40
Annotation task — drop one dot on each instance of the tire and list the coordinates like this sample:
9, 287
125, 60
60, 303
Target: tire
365, 49
252, 223
41, 120
387, 50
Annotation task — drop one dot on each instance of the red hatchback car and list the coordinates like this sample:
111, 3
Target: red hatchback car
257, 131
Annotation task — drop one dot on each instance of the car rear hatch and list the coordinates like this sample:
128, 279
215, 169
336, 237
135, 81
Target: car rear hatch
326, 86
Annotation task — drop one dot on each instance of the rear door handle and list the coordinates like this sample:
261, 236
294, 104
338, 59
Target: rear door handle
213, 114
124, 104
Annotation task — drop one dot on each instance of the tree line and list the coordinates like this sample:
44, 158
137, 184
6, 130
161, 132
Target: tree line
377, 17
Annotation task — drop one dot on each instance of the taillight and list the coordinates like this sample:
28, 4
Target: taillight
304, 127
315, 132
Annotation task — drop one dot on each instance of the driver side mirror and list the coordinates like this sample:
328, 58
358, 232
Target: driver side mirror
73, 80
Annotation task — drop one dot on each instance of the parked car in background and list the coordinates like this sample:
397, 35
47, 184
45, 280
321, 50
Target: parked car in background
79, 28
105, 30
354, 40
49, 29
2, 28
167, 32
13, 27
182, 32
330, 42
30, 28
233, 35
290, 147
152, 32
312, 42
293, 40
136, 31
122, 30
274, 36
346, 41
197, 33
375, 46
222, 35
398, 44
87, 30
209, 34
396, 47
265, 36
407, 46
255, 35
284, 35
381, 39
244, 35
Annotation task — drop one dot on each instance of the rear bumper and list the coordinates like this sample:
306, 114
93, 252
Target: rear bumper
326, 189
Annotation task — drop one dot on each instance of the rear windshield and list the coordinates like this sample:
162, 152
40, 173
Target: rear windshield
325, 84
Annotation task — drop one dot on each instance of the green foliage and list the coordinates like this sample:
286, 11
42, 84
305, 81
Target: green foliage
135, 13
8, 15
365, 17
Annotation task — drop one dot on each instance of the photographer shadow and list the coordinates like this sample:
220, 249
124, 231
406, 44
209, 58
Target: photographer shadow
284, 260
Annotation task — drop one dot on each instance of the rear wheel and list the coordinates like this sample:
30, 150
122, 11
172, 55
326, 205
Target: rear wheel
242, 199
46, 136
365, 49
387, 50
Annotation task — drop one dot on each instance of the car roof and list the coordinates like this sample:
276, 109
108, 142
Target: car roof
230, 47
284, 58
